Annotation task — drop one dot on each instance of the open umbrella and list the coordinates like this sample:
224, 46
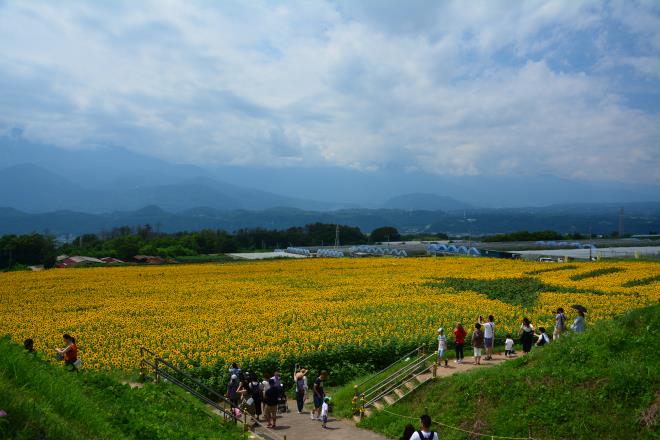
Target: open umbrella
579, 308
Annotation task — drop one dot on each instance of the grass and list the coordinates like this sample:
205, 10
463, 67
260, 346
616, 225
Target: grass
521, 291
603, 383
642, 281
217, 258
553, 269
47, 402
596, 273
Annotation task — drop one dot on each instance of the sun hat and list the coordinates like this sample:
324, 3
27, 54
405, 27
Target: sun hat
234, 377
440, 330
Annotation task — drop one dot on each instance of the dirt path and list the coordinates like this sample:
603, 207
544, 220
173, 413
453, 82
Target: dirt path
300, 426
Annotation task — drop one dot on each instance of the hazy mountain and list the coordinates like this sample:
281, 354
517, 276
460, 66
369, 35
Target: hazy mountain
110, 178
475, 221
428, 202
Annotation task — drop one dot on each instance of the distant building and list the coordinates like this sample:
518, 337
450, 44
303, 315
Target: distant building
111, 260
149, 259
66, 261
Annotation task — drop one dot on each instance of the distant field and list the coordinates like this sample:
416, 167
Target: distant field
353, 310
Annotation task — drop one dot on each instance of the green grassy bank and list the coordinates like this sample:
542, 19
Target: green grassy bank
47, 402
604, 383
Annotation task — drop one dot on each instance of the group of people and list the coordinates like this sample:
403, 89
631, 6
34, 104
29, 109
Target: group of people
68, 354
483, 337
264, 397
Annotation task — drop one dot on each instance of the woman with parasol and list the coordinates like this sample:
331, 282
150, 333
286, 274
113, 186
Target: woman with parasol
579, 324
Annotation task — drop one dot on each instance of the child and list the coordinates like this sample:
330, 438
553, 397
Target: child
508, 346
543, 338
324, 411
442, 347
477, 343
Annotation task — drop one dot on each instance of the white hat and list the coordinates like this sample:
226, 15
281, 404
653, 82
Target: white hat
440, 330
234, 377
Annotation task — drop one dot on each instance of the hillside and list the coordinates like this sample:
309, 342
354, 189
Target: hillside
639, 219
427, 202
45, 401
604, 384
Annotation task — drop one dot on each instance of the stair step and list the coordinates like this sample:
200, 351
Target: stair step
390, 399
379, 405
399, 392
411, 384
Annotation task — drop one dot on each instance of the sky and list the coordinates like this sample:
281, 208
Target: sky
505, 88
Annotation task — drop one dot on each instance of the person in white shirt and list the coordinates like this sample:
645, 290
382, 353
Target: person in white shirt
425, 433
324, 411
508, 346
489, 337
442, 347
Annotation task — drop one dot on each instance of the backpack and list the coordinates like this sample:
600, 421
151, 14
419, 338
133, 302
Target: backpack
421, 435
543, 340
255, 391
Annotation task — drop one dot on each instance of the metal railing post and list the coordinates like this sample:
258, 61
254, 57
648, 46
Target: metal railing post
142, 372
362, 402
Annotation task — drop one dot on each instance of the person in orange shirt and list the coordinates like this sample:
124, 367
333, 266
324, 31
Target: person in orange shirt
70, 352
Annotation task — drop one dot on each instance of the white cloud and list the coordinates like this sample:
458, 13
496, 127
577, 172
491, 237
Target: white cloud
446, 87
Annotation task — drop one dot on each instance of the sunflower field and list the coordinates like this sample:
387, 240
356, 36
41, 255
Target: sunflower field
351, 310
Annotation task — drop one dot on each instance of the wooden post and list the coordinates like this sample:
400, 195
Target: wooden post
362, 409
156, 371
435, 370
142, 373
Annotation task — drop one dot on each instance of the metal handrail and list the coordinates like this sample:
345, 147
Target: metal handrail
395, 382
379, 384
160, 372
187, 376
370, 378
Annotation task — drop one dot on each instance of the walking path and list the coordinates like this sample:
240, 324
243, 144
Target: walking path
301, 427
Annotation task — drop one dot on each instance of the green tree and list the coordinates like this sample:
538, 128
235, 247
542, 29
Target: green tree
385, 233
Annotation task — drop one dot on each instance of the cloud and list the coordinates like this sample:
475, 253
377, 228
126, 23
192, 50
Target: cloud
452, 88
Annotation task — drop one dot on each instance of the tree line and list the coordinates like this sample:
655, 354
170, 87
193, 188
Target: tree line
17, 251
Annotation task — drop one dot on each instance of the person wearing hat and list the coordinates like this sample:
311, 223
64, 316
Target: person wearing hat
300, 381
442, 347
234, 389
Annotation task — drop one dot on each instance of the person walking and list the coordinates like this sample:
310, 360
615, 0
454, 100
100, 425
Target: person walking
459, 338
234, 370
560, 324
579, 324
300, 381
425, 432
319, 394
271, 397
69, 353
489, 337
442, 347
256, 392
508, 346
325, 407
477, 343
526, 335
234, 389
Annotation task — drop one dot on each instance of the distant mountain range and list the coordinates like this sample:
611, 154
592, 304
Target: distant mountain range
639, 218
38, 177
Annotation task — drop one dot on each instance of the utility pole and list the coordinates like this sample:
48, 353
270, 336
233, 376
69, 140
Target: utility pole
590, 245
337, 237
